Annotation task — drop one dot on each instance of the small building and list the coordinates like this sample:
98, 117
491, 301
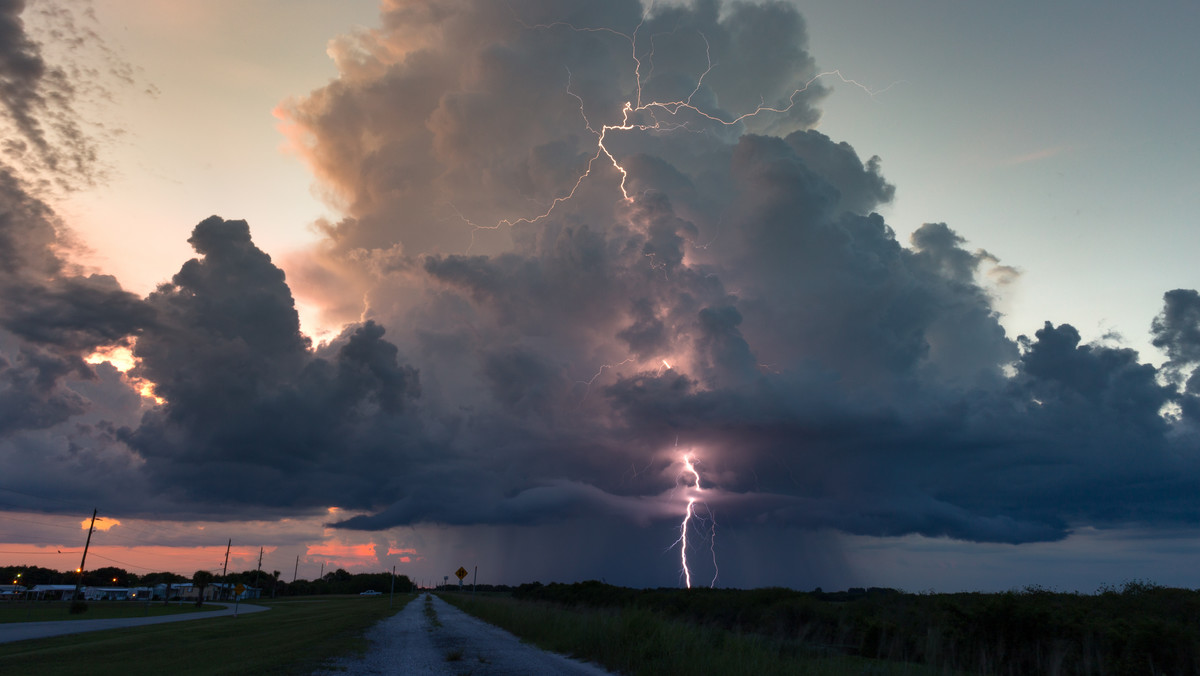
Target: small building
52, 592
142, 594
225, 591
11, 591
167, 591
107, 593
184, 591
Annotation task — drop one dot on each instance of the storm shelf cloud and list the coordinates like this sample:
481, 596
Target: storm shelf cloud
514, 357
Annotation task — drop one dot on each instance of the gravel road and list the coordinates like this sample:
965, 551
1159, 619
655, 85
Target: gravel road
409, 643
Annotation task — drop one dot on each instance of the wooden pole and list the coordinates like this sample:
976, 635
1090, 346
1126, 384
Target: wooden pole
79, 576
225, 570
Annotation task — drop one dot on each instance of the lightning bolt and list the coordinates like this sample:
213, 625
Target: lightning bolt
654, 116
689, 514
643, 116
687, 518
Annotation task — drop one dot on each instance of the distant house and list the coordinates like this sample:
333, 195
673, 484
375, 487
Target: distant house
184, 591
52, 592
11, 591
222, 590
56, 592
107, 593
214, 591
162, 591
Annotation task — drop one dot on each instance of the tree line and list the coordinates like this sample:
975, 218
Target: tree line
338, 581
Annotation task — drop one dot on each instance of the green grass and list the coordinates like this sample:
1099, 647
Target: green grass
51, 611
431, 613
638, 641
295, 637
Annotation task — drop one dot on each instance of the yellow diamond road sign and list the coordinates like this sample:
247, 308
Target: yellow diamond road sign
461, 572
240, 588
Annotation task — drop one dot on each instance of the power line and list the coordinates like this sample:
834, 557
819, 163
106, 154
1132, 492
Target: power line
5, 517
32, 495
123, 563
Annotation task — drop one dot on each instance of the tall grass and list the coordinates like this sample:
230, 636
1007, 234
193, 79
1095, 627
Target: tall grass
1139, 628
638, 641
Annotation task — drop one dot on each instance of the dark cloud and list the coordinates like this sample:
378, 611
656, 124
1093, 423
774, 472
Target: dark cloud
74, 313
251, 415
1177, 331
30, 397
50, 317
24, 78
45, 136
52, 314
422, 139
745, 302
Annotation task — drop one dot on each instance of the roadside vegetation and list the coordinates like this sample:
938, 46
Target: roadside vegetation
431, 613
640, 641
1138, 628
295, 637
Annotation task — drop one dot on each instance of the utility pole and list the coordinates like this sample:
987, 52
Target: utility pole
259, 571
296, 570
79, 576
322, 571
225, 569
393, 596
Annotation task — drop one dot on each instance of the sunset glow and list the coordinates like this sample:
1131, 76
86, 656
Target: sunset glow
120, 356
103, 523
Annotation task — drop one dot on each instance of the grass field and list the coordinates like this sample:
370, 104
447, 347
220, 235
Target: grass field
637, 641
52, 611
1138, 628
295, 637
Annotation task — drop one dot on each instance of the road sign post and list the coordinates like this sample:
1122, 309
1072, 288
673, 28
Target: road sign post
237, 600
461, 573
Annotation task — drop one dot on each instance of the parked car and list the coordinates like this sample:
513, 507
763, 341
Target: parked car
369, 592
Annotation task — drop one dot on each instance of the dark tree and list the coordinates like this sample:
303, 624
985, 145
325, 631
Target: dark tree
201, 578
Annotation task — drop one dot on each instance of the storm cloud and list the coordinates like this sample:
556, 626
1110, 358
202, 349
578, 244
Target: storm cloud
746, 301
538, 327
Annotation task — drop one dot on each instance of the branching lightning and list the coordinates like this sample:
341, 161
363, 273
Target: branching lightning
690, 515
634, 112
654, 116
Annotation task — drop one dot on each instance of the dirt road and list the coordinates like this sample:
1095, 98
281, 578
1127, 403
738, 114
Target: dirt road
409, 642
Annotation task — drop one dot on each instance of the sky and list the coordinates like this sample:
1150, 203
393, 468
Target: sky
804, 294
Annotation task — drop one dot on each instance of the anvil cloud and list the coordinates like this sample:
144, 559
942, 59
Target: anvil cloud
513, 361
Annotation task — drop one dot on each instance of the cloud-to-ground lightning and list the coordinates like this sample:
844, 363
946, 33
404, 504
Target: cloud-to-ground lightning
689, 514
655, 116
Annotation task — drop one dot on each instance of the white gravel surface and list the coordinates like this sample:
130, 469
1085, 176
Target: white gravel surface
409, 643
